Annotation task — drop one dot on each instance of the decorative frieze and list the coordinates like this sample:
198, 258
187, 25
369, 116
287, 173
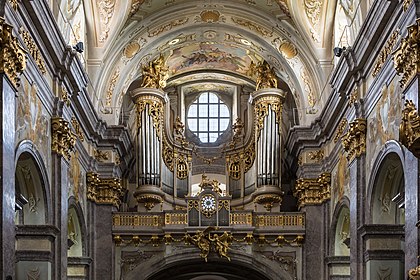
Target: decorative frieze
410, 127
33, 50
406, 57
354, 141
385, 52
104, 190
63, 139
313, 191
12, 55
316, 156
101, 156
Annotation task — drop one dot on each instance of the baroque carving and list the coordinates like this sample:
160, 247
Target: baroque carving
101, 156
385, 52
268, 200
253, 26
135, 6
406, 4
65, 96
168, 155
313, 191
354, 141
261, 107
12, 55
249, 156
340, 130
313, 10
63, 139
104, 190
167, 27
14, 4
33, 50
406, 57
155, 111
77, 129
155, 74
410, 127
414, 273
106, 11
111, 87
316, 156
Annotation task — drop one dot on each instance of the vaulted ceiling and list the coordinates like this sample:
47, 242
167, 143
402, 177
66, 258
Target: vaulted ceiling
210, 40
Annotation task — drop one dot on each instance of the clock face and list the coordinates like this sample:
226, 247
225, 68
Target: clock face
208, 203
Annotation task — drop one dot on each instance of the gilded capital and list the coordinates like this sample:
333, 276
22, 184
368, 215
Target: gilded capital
12, 55
104, 190
354, 141
313, 191
410, 127
63, 139
406, 57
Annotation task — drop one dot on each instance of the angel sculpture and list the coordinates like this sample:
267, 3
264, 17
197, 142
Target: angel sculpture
222, 243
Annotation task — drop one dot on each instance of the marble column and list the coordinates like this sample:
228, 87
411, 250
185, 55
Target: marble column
357, 212
7, 184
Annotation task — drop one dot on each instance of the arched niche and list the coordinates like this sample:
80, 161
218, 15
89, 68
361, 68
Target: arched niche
387, 197
32, 191
342, 233
76, 230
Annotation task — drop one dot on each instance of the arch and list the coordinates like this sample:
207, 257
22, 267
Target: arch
32, 183
76, 223
186, 265
337, 221
386, 181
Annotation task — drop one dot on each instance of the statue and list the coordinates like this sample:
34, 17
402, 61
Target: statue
222, 243
155, 74
266, 76
204, 242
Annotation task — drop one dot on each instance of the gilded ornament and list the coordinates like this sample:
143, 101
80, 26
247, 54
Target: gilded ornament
253, 26
63, 139
249, 156
100, 156
316, 156
264, 74
354, 141
406, 57
385, 52
168, 155
354, 96
410, 127
210, 16
76, 126
154, 108
308, 87
313, 191
65, 96
111, 87
268, 200
288, 50
14, 4
12, 55
182, 169
235, 167
131, 49
313, 10
106, 11
33, 50
149, 200
261, 107
104, 190
167, 26
283, 6
340, 130
406, 4
135, 6
155, 74
414, 273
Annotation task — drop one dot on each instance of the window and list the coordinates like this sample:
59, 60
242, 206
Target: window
208, 117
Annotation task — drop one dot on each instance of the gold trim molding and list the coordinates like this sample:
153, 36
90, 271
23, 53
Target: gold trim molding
12, 55
63, 139
414, 273
410, 127
261, 107
104, 190
155, 110
313, 191
354, 141
385, 52
33, 50
406, 57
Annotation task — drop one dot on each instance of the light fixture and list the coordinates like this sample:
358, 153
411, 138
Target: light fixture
79, 47
338, 51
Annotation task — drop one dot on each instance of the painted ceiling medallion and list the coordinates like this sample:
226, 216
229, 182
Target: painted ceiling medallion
131, 49
210, 16
288, 50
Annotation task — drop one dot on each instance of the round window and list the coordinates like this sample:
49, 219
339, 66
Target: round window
208, 117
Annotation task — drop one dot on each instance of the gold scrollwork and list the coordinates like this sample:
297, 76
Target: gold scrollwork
235, 167
155, 74
104, 190
316, 156
167, 26
193, 204
77, 129
261, 107
313, 191
414, 273
354, 141
149, 200
385, 52
407, 55
268, 200
410, 127
253, 26
182, 169
101, 156
63, 139
33, 50
168, 155
155, 110
406, 4
340, 130
12, 55
249, 156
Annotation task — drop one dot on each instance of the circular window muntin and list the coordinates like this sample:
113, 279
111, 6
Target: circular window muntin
209, 118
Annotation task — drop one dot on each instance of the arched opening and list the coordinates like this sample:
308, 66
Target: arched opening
30, 192
384, 238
